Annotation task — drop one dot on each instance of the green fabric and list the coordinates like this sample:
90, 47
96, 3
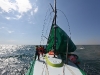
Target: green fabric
31, 69
61, 41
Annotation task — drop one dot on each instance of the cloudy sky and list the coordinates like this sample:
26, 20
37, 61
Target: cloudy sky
23, 22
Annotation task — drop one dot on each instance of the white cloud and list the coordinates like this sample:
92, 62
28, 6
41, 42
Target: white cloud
2, 27
7, 6
36, 9
23, 5
0, 12
31, 22
17, 7
10, 31
17, 17
8, 18
22, 33
31, 12
7, 30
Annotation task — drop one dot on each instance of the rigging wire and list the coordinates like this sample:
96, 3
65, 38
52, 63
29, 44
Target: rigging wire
44, 25
42, 36
67, 21
46, 18
48, 26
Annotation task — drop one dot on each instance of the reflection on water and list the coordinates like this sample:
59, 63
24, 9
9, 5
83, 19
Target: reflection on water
15, 59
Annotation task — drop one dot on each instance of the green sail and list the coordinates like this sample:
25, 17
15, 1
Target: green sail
61, 41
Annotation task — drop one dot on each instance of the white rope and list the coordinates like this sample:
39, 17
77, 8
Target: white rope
64, 70
43, 70
47, 69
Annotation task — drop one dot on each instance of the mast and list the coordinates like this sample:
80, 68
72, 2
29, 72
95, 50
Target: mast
54, 25
55, 11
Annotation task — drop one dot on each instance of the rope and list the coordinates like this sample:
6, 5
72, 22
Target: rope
48, 25
64, 70
47, 69
43, 70
67, 21
44, 26
46, 18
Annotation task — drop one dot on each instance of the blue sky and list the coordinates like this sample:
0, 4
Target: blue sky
22, 21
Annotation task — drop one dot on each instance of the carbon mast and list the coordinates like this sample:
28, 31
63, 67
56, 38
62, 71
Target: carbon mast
54, 25
55, 11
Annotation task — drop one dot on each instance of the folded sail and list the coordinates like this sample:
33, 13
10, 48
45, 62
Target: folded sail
61, 41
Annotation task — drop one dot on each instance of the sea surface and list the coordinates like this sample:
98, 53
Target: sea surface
16, 59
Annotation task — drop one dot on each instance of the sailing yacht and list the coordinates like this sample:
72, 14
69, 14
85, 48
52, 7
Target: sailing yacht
56, 61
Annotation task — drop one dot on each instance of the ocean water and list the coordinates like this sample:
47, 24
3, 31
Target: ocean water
15, 59
90, 58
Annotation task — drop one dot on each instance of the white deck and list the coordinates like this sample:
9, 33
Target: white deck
41, 68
